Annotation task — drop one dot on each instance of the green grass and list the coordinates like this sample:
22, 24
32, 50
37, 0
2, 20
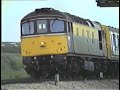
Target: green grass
13, 74
11, 63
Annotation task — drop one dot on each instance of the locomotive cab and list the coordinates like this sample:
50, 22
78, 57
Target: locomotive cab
45, 37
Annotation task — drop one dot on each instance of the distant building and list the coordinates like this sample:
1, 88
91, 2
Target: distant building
2, 45
13, 43
16, 45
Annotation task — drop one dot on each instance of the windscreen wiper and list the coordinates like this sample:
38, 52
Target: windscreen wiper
53, 22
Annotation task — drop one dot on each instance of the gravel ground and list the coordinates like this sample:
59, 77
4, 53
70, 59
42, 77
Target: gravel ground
66, 85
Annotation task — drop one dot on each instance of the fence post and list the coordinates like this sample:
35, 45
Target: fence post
101, 75
56, 79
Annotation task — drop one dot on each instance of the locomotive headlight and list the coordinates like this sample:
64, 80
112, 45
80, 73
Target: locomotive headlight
42, 43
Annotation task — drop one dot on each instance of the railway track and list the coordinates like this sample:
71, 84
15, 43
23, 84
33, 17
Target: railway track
23, 80
31, 80
114, 82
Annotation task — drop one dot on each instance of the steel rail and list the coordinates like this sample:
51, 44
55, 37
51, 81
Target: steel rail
23, 80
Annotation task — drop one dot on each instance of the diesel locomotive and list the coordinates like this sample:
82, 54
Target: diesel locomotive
58, 42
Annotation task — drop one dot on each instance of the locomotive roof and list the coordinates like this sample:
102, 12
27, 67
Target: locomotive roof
50, 12
77, 19
43, 12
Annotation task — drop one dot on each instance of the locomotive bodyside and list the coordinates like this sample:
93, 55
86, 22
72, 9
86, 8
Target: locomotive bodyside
112, 43
108, 42
86, 40
114, 38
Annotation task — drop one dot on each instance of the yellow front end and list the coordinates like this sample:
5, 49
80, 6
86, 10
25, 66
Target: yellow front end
44, 45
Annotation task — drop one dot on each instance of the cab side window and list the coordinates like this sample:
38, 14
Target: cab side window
118, 40
68, 27
100, 39
114, 40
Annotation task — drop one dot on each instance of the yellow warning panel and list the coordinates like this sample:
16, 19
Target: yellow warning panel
44, 45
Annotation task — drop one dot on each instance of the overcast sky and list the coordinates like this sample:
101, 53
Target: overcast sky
14, 10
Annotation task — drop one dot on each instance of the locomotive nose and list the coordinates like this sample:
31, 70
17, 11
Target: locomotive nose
44, 45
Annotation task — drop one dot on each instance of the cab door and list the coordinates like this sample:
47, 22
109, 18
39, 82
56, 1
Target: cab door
70, 37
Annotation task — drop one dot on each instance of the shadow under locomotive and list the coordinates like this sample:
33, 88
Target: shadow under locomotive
69, 68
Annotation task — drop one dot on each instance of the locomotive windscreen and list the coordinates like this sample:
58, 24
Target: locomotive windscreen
43, 26
56, 26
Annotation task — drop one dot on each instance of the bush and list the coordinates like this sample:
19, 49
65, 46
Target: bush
11, 66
